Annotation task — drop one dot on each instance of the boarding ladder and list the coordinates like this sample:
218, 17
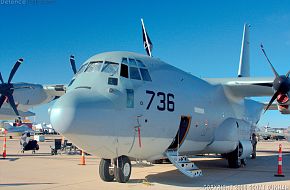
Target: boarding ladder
183, 164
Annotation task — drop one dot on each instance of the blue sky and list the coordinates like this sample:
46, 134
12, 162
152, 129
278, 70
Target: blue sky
201, 37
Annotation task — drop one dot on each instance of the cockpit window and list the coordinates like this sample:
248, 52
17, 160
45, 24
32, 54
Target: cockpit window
132, 62
110, 67
124, 60
145, 74
94, 66
124, 71
134, 73
130, 68
83, 68
140, 64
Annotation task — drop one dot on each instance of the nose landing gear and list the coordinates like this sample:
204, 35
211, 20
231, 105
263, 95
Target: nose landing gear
121, 170
105, 171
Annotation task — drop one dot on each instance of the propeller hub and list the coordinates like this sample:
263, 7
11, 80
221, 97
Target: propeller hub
281, 84
6, 89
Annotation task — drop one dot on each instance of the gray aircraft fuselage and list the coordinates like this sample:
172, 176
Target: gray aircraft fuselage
108, 114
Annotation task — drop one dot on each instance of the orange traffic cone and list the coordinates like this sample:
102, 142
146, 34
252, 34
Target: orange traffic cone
279, 172
4, 146
83, 159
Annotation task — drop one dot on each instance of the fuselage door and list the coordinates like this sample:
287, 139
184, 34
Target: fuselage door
181, 133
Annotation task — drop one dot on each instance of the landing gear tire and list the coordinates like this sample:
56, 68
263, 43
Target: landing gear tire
105, 172
233, 159
123, 169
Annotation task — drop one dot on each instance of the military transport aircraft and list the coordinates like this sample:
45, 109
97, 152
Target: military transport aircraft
124, 105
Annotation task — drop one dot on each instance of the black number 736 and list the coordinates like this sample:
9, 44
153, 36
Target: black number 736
166, 101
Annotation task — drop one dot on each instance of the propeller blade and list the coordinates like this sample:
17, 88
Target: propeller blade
73, 63
1, 78
14, 69
2, 99
287, 75
273, 69
12, 103
272, 100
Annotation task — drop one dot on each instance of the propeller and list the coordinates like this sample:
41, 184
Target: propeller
6, 89
281, 84
73, 63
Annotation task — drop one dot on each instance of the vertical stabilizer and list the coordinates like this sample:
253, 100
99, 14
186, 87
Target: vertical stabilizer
244, 67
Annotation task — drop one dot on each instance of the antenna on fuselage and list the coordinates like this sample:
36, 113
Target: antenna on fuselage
146, 40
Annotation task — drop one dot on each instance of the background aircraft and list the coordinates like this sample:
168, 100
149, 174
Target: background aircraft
268, 133
11, 128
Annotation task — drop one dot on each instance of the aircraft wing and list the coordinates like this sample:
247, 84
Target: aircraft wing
241, 87
55, 91
7, 113
27, 96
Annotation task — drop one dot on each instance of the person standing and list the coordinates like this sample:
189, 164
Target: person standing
254, 144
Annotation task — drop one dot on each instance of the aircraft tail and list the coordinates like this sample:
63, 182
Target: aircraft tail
244, 66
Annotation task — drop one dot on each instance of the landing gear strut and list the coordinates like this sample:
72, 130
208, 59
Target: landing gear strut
121, 170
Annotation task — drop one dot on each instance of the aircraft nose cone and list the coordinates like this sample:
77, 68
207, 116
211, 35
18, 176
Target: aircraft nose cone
79, 112
62, 113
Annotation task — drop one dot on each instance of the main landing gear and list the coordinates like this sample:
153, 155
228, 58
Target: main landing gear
120, 170
234, 159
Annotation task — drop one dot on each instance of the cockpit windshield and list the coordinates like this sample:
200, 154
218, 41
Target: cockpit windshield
110, 67
83, 67
94, 66
129, 68
134, 69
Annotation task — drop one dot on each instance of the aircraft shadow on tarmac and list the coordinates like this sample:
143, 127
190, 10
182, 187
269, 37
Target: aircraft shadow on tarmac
22, 184
29, 155
9, 159
215, 172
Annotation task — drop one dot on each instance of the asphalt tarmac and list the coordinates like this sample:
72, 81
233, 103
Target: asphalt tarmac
44, 171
